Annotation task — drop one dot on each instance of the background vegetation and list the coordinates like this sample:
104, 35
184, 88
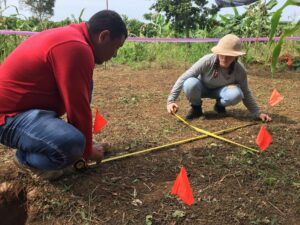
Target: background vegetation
202, 23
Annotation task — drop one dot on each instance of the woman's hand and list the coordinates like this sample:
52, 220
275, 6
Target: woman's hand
264, 117
172, 108
97, 153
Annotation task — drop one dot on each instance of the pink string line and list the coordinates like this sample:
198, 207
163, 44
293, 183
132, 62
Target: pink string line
175, 40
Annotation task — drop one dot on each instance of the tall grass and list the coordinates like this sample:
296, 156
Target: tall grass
170, 55
160, 54
8, 44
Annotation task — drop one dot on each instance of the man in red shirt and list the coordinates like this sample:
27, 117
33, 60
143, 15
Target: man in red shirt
48, 75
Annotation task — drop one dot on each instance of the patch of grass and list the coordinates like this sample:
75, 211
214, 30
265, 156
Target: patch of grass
264, 220
169, 130
270, 181
128, 100
232, 160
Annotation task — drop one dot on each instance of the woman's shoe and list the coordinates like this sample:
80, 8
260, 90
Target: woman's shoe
194, 113
220, 109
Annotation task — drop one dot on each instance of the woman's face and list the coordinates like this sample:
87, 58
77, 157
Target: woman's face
225, 61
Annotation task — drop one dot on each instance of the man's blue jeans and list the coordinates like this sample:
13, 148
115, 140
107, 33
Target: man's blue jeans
43, 140
195, 90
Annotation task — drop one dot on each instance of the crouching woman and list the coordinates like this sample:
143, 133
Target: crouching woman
218, 76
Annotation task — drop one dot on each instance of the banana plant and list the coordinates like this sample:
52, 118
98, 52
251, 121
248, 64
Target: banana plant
79, 18
254, 22
4, 7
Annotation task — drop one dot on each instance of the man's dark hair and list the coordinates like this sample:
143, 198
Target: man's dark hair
107, 20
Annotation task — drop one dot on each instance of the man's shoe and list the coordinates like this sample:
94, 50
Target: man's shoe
194, 113
50, 175
219, 109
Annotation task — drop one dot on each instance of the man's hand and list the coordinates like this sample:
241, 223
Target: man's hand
97, 153
264, 117
172, 108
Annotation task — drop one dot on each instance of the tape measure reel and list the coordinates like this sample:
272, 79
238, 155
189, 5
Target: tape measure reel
80, 164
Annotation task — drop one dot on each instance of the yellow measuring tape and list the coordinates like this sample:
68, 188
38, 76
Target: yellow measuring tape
216, 136
81, 164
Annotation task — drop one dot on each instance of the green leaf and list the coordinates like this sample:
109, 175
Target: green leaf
275, 55
270, 181
296, 2
224, 18
80, 15
292, 30
271, 4
236, 12
274, 23
276, 17
149, 219
178, 214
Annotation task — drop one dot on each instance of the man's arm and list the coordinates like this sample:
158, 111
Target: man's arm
73, 65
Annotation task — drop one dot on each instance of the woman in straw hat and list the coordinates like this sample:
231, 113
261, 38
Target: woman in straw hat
218, 76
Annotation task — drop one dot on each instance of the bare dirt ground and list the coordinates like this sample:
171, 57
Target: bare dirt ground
230, 186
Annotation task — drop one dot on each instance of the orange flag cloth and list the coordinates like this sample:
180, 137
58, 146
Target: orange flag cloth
263, 139
99, 122
182, 188
290, 63
275, 97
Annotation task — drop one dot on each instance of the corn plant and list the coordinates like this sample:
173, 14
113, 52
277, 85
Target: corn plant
288, 32
158, 26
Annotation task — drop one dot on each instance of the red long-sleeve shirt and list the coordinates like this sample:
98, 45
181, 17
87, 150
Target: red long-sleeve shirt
51, 70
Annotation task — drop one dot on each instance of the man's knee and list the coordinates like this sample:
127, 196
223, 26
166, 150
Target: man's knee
73, 147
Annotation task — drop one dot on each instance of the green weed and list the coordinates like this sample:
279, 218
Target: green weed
270, 181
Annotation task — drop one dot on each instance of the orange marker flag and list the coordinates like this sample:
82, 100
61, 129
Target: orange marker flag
263, 139
99, 122
182, 187
275, 97
290, 63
